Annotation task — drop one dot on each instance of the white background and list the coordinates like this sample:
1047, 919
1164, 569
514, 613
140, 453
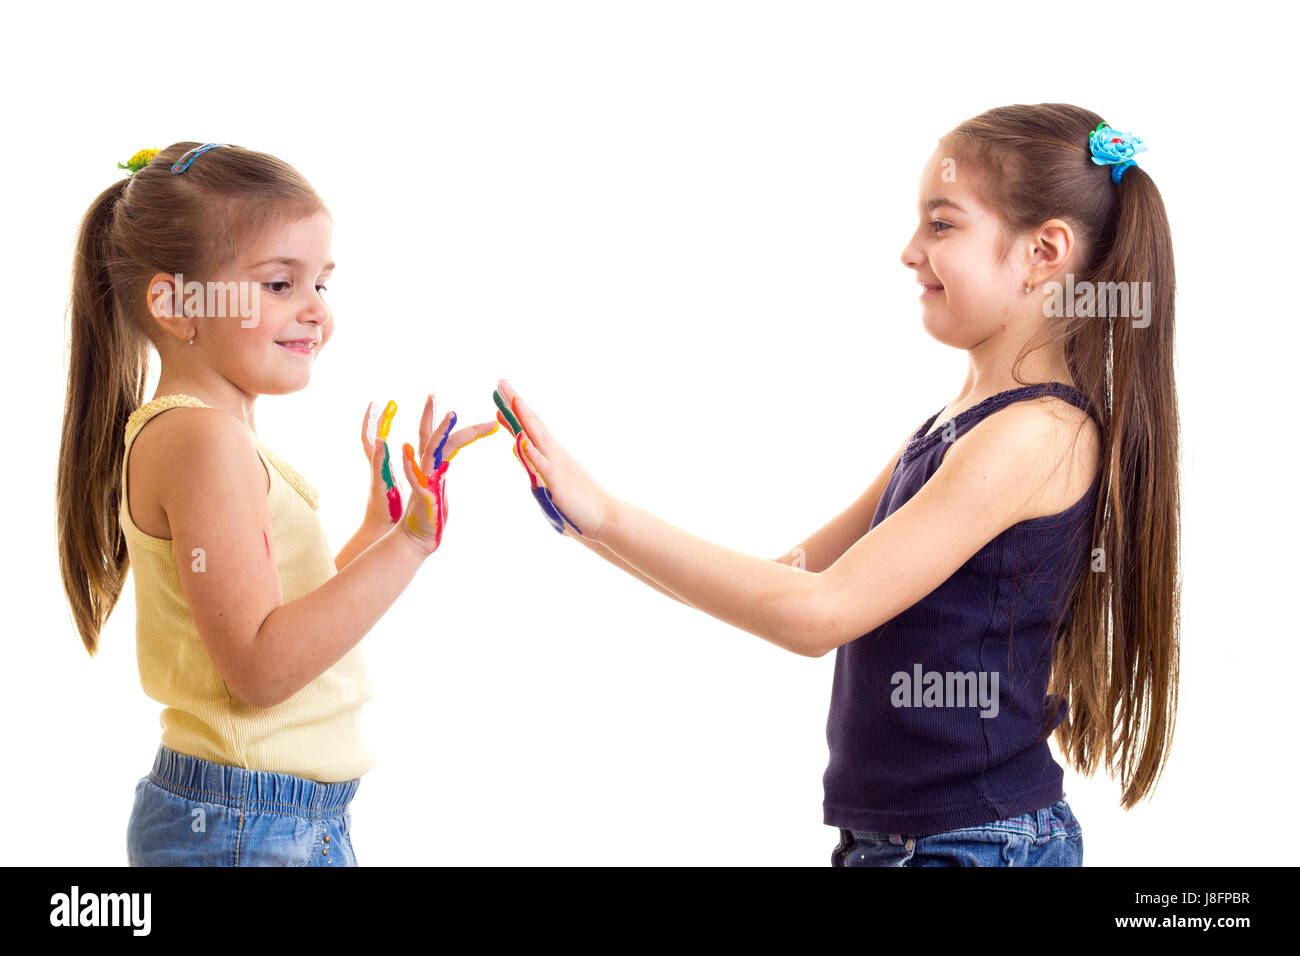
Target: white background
676, 228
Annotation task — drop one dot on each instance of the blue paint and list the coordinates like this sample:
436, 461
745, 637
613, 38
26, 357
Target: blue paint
437, 452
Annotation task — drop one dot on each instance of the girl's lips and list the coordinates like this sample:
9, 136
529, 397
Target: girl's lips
301, 346
930, 289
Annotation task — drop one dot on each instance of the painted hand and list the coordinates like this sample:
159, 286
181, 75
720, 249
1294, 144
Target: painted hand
570, 498
426, 512
384, 506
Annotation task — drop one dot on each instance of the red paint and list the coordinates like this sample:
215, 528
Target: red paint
1117, 140
440, 498
434, 483
394, 505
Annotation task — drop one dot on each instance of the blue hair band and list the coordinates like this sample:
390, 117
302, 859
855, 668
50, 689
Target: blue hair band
197, 151
1110, 147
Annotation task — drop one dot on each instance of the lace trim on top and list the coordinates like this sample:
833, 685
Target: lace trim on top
291, 475
922, 439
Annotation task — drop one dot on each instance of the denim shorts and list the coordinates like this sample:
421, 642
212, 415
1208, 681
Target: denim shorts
192, 812
1047, 837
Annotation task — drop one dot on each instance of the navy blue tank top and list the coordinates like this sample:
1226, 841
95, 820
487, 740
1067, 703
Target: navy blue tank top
936, 715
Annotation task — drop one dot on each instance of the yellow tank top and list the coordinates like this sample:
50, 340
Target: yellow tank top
316, 732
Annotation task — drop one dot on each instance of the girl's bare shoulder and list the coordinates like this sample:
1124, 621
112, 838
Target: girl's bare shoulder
1061, 444
168, 449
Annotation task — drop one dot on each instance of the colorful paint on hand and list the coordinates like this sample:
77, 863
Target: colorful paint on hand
394, 496
442, 443
438, 452
386, 420
541, 493
435, 485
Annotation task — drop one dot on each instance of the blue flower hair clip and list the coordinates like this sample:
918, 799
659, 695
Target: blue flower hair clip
1112, 148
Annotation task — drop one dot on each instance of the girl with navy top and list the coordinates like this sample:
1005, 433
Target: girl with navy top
1012, 570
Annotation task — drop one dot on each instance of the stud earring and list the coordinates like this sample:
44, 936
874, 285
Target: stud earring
1029, 287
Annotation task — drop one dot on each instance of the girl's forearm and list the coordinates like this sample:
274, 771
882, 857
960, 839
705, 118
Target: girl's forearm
302, 639
597, 548
365, 536
774, 601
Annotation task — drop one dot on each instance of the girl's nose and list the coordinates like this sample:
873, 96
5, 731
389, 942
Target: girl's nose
317, 312
911, 256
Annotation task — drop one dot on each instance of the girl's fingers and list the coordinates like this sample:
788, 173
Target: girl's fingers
426, 424
429, 454
540, 463
418, 483
377, 463
414, 475
523, 460
427, 514
443, 434
430, 443
385, 483
501, 398
386, 420
365, 432
532, 460
467, 436
534, 426
417, 480
439, 491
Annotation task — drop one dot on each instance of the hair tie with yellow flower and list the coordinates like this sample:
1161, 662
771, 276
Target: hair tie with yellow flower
139, 161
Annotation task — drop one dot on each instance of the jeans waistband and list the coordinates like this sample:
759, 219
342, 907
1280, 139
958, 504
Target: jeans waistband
256, 790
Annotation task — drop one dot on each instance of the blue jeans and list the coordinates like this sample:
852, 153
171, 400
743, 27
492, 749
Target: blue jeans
1047, 837
192, 812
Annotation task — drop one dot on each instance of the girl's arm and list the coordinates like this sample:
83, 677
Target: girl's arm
825, 546
595, 547
363, 538
214, 492
815, 553
995, 477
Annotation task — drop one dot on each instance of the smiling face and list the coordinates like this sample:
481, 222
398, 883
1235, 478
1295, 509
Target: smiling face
271, 352
970, 292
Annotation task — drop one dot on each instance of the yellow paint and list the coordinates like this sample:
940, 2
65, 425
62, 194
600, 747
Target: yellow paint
386, 420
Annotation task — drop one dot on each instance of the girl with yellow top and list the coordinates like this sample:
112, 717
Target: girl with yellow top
248, 628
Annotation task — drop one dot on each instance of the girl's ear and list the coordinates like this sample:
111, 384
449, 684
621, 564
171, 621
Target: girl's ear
1050, 249
163, 300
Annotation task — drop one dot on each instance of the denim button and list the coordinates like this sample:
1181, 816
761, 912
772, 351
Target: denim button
910, 844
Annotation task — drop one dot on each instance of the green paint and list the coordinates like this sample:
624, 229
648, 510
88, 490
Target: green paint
388, 475
505, 410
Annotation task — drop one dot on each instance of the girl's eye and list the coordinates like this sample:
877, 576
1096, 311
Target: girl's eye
939, 226
321, 288
279, 282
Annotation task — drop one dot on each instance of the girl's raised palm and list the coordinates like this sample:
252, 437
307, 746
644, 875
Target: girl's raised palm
426, 511
384, 504
574, 502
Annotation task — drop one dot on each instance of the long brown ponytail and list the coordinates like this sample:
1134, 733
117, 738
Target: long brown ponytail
1116, 663
106, 380
151, 222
